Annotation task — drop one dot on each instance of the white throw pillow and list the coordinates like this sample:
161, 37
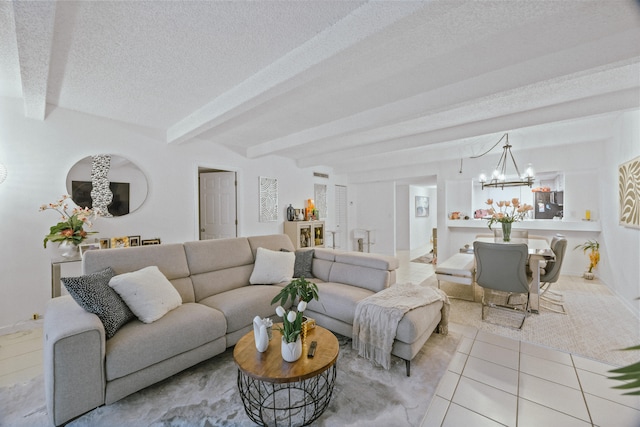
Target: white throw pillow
147, 292
272, 267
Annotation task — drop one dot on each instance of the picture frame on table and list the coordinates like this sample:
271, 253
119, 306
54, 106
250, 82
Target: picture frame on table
155, 241
105, 243
120, 242
134, 241
84, 247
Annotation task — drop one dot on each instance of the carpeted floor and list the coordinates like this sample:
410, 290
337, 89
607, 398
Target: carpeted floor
207, 395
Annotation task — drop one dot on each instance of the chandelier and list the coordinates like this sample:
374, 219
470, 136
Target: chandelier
499, 177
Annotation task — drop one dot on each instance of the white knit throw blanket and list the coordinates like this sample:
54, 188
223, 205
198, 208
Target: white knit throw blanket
377, 317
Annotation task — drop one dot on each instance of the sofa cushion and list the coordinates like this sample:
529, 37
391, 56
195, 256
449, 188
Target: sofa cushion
272, 267
372, 279
338, 300
241, 305
304, 262
93, 293
139, 345
170, 258
205, 256
274, 242
147, 292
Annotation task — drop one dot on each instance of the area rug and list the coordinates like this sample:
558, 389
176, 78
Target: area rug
597, 325
207, 394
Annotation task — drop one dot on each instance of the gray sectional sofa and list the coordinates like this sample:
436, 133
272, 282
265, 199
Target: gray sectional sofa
84, 370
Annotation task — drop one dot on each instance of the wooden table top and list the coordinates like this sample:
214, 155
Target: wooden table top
271, 367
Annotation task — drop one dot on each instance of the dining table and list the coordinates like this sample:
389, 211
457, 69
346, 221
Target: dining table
539, 251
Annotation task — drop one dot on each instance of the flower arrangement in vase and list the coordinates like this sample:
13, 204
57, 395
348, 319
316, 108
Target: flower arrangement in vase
294, 324
594, 256
70, 230
506, 213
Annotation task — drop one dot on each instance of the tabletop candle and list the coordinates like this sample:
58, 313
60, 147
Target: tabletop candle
587, 215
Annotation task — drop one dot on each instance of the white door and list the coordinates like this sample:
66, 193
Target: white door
218, 205
341, 237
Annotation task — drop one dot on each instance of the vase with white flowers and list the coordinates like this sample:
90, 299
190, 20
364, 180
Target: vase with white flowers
69, 231
291, 329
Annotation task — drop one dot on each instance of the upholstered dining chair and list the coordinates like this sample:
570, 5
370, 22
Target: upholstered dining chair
550, 274
501, 269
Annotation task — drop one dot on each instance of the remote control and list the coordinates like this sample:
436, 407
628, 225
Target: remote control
312, 349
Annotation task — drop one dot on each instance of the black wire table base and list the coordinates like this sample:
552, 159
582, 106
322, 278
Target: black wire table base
286, 404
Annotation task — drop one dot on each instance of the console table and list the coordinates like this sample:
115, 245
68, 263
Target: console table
56, 263
275, 392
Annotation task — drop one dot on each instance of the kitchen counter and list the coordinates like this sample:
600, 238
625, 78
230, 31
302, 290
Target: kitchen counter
530, 224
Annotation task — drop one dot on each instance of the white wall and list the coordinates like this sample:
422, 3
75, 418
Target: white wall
620, 265
376, 210
38, 155
403, 227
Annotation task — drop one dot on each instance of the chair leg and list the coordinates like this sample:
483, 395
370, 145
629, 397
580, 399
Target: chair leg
553, 296
562, 310
407, 364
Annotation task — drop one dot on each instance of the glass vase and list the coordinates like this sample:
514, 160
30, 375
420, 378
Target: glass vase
506, 231
68, 249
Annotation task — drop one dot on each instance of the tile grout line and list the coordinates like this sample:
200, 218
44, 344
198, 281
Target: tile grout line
584, 398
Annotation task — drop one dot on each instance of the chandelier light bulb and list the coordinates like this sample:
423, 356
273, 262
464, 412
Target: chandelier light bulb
529, 171
483, 177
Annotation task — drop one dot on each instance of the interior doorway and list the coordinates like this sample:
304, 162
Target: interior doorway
218, 204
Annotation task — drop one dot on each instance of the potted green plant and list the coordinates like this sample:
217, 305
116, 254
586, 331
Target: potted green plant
299, 288
69, 232
594, 256
303, 291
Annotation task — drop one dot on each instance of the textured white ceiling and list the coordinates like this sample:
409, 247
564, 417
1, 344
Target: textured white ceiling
355, 85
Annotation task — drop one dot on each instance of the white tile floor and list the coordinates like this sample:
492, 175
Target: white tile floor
21, 354
498, 381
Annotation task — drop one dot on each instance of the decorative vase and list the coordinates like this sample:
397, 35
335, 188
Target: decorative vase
506, 231
68, 249
291, 351
588, 275
291, 213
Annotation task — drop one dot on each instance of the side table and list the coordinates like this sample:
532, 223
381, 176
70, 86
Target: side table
55, 272
275, 392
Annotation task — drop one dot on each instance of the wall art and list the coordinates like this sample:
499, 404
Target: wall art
320, 194
268, 199
629, 193
422, 206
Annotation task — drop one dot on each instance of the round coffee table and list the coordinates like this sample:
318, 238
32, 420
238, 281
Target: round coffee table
275, 392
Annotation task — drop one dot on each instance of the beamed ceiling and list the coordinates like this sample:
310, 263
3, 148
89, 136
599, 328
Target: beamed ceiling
358, 86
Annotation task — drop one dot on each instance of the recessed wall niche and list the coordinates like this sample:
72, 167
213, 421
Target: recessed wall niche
108, 182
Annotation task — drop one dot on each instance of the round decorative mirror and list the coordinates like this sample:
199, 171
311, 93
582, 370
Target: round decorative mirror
110, 183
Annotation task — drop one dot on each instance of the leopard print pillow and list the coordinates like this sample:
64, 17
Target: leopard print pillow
93, 293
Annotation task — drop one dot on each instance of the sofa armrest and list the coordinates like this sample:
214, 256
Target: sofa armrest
74, 352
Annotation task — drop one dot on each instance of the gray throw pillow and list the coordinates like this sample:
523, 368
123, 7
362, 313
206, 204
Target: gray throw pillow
303, 264
93, 293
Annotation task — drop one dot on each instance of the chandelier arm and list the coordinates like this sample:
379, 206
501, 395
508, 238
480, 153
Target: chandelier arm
494, 146
514, 162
